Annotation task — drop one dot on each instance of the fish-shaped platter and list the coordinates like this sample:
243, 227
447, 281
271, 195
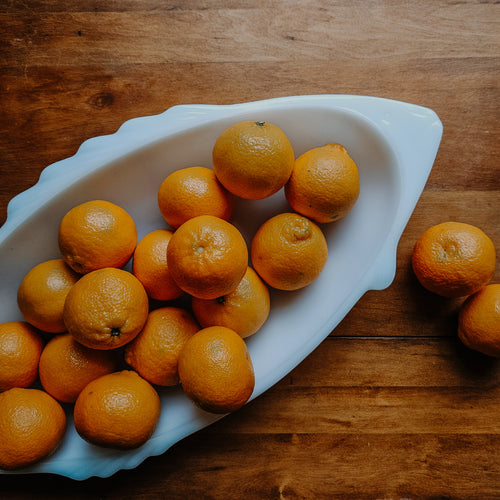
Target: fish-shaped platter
394, 145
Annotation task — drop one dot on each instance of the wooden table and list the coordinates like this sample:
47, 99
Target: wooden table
390, 405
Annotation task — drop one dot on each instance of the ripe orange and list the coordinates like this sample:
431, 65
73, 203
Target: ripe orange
324, 184
20, 349
244, 310
42, 293
193, 191
253, 159
454, 259
96, 234
67, 366
118, 410
106, 308
150, 266
32, 424
207, 257
216, 371
479, 321
155, 351
289, 251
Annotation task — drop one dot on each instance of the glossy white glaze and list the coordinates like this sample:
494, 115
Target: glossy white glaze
394, 145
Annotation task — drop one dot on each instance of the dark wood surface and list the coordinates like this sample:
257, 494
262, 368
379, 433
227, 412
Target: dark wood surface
390, 405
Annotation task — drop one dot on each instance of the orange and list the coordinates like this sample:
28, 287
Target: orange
253, 159
42, 293
118, 410
96, 234
244, 310
20, 349
193, 191
289, 251
207, 257
324, 184
454, 259
32, 424
216, 371
150, 266
155, 351
479, 321
106, 308
67, 366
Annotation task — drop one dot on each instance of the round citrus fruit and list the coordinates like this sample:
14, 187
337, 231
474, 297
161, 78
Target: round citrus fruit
118, 410
289, 251
253, 159
106, 308
454, 259
42, 293
66, 367
216, 371
20, 349
324, 184
244, 310
32, 424
150, 266
155, 351
479, 321
193, 191
96, 234
207, 257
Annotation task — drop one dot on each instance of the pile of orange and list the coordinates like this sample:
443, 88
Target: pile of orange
103, 339
455, 259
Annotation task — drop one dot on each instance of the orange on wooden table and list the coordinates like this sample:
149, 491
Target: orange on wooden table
32, 424
324, 184
118, 410
193, 191
154, 353
150, 266
96, 234
106, 308
216, 371
253, 159
42, 293
244, 310
20, 348
479, 321
454, 259
66, 367
289, 251
207, 257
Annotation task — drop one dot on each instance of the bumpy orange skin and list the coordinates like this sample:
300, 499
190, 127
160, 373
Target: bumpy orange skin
154, 353
96, 234
253, 160
244, 310
20, 349
118, 410
193, 191
106, 308
479, 321
216, 371
207, 257
324, 184
66, 367
453, 259
32, 424
42, 293
289, 251
150, 266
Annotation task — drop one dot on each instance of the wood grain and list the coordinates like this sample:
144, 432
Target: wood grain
391, 405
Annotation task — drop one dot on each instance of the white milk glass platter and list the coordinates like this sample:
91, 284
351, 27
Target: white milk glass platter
394, 145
